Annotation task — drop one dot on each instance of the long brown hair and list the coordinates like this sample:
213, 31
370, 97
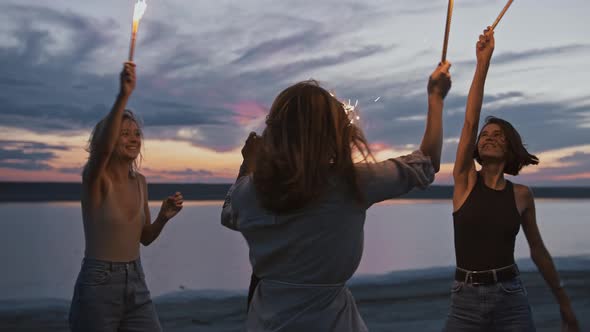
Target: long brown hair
517, 155
308, 138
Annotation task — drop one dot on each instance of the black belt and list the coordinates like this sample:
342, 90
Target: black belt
487, 277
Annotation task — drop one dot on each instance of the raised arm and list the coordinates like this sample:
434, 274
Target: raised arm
464, 169
108, 133
542, 259
439, 85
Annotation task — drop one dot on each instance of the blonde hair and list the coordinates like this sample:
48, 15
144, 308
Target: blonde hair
92, 144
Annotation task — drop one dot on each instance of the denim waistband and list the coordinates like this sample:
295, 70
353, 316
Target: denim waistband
112, 266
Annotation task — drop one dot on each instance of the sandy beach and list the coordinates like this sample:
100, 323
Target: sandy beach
401, 305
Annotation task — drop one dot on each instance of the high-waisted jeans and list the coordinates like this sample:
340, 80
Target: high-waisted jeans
113, 297
502, 306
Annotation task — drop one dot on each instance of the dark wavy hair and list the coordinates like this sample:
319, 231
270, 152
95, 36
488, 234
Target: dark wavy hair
93, 141
308, 138
517, 155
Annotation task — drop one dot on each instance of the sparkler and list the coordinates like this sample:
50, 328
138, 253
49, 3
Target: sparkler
447, 31
350, 110
138, 12
501, 14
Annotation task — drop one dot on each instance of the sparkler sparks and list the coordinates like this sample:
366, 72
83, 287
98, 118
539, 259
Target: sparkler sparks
139, 10
350, 110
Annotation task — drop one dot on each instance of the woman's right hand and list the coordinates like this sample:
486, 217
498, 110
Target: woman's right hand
485, 46
127, 79
439, 82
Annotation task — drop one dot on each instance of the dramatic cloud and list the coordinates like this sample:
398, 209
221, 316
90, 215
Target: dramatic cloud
207, 73
26, 155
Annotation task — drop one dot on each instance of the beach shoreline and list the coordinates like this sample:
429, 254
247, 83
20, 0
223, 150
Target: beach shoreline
386, 305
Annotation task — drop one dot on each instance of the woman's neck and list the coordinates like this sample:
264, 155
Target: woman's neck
119, 169
493, 175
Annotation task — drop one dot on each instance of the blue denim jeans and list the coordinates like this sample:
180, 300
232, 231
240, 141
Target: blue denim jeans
503, 306
112, 297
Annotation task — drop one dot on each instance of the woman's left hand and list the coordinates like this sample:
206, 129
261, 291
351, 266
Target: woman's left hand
250, 151
569, 322
171, 206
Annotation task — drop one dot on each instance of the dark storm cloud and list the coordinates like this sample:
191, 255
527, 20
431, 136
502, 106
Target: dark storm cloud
197, 77
26, 155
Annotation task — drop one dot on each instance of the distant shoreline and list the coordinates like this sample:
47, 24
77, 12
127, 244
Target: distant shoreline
419, 300
70, 191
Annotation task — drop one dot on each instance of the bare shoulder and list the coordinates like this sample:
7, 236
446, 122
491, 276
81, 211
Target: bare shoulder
140, 177
524, 197
520, 190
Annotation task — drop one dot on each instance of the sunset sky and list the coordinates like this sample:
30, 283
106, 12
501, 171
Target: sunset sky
209, 70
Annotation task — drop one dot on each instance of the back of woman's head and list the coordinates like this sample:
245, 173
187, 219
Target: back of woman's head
308, 138
517, 155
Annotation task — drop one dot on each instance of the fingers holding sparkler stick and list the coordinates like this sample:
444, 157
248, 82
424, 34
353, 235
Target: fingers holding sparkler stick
138, 11
501, 14
447, 31
439, 82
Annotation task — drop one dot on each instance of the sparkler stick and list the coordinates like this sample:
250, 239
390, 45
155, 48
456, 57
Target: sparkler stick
138, 12
447, 31
501, 14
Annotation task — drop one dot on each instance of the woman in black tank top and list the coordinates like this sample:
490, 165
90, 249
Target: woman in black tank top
487, 293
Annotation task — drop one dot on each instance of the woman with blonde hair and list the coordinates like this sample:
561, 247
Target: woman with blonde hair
111, 292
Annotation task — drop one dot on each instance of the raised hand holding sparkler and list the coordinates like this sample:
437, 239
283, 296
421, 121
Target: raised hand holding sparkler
128, 79
439, 82
138, 11
485, 46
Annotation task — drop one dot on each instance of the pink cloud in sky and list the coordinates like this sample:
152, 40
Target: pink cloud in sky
247, 112
189, 176
379, 146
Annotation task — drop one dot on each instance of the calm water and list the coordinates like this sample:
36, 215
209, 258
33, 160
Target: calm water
41, 244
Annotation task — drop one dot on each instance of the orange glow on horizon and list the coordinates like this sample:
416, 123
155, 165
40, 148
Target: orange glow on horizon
182, 161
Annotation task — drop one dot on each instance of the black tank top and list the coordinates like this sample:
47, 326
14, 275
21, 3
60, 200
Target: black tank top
486, 227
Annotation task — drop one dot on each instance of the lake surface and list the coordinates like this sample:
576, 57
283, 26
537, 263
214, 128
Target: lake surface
42, 244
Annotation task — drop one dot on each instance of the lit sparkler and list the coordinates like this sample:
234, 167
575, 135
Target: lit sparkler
350, 111
138, 12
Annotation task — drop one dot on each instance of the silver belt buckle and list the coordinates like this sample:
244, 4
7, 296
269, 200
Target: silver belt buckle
471, 277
